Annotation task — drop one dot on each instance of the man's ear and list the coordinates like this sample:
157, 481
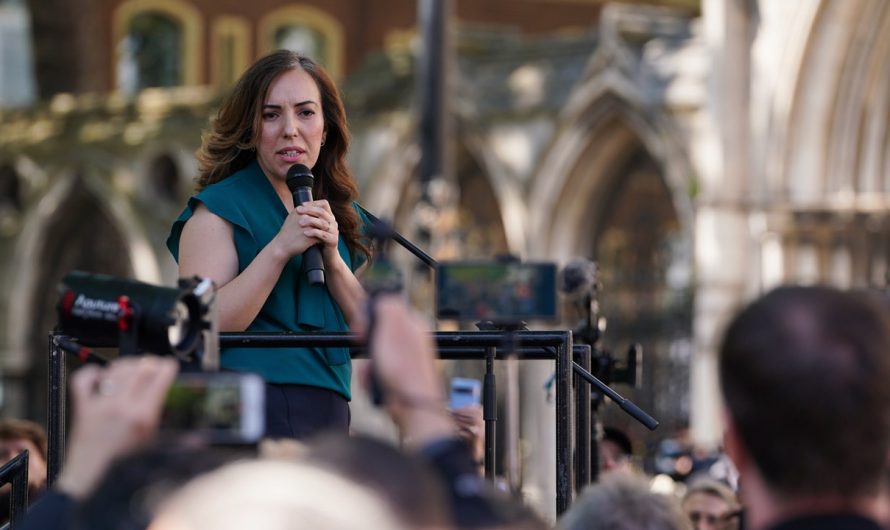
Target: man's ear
732, 442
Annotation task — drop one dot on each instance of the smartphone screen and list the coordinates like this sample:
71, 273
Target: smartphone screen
465, 392
507, 292
215, 408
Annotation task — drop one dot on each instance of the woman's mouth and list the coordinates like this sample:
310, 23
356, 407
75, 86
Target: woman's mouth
290, 155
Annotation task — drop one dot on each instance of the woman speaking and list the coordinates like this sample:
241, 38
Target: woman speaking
242, 230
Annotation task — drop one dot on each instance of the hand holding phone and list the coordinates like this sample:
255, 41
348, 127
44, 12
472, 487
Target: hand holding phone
116, 410
215, 408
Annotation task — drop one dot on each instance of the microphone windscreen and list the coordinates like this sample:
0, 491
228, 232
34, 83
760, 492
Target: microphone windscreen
299, 176
578, 278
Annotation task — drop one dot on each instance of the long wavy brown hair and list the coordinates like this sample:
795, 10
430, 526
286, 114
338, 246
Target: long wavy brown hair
230, 144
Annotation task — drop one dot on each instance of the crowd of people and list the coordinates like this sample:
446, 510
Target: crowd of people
803, 371
115, 477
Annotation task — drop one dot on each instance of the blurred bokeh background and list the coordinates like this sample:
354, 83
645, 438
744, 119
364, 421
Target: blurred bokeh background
701, 151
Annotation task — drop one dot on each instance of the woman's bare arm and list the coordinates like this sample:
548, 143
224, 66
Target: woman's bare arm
207, 249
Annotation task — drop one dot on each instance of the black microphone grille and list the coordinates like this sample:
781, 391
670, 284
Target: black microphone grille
299, 176
298, 170
578, 278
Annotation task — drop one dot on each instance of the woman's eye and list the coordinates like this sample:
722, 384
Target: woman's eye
269, 115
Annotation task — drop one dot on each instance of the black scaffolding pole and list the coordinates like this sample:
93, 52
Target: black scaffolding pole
468, 345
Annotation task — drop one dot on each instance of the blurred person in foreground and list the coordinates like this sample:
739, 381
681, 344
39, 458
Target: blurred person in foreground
116, 410
136, 484
804, 373
623, 501
711, 505
335, 483
275, 495
403, 356
406, 482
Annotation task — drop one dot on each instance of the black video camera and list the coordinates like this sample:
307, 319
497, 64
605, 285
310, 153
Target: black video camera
579, 282
100, 310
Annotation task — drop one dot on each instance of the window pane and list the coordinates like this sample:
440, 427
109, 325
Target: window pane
227, 47
301, 39
152, 53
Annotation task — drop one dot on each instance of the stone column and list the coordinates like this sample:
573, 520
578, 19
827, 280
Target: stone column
720, 151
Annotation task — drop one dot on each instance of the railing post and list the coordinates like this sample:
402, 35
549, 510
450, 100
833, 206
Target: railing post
489, 412
55, 428
451, 345
582, 416
564, 425
15, 473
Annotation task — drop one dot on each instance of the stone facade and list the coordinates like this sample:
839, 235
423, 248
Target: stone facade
699, 158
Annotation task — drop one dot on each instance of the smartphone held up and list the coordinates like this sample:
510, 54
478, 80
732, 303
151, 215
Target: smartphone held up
503, 292
465, 392
218, 408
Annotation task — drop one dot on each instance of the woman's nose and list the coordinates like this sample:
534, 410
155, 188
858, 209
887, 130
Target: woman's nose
290, 127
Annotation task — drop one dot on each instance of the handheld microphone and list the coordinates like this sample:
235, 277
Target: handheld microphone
299, 182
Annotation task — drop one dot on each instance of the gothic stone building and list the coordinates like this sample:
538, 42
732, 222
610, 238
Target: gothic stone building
700, 152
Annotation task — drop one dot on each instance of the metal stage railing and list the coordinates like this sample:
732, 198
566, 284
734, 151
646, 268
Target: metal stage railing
480, 345
15, 473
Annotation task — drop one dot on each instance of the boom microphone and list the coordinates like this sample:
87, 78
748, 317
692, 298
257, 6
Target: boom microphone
578, 278
299, 182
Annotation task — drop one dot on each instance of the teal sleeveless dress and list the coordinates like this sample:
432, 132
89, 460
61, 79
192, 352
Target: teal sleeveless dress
250, 204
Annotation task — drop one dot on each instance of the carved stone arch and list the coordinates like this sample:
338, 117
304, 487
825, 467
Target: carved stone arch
10, 188
828, 144
772, 103
505, 191
609, 139
21, 178
387, 185
575, 174
12, 198
859, 142
80, 223
392, 190
828, 118
72, 228
163, 176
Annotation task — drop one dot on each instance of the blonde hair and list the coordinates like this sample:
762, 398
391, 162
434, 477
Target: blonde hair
274, 495
713, 488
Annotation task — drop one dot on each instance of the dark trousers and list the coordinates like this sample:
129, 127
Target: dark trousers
298, 411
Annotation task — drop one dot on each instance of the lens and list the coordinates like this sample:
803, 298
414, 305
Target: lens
177, 332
